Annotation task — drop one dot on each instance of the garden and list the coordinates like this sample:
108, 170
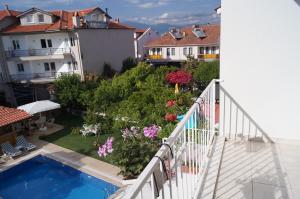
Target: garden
134, 110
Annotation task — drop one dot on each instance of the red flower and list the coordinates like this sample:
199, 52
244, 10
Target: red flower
179, 77
170, 117
170, 103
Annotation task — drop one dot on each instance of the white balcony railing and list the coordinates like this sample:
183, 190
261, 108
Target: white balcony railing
37, 52
46, 76
178, 168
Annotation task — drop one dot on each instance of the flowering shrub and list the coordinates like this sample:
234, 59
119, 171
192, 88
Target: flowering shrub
170, 117
170, 103
106, 148
151, 131
179, 77
130, 133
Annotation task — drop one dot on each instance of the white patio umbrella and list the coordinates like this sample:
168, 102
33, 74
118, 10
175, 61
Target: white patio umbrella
39, 106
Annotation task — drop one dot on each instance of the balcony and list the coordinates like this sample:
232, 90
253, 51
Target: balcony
155, 57
38, 54
96, 24
208, 56
45, 77
219, 151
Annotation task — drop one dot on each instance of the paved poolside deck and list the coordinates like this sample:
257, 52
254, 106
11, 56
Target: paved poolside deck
79, 161
257, 170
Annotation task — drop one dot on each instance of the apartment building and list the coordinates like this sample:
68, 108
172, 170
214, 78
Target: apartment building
38, 45
141, 37
200, 42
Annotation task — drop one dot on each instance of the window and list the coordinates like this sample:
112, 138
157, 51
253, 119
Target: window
43, 43
29, 18
213, 49
173, 51
94, 17
207, 50
201, 50
75, 65
46, 65
41, 18
52, 66
20, 67
72, 41
158, 51
190, 50
185, 51
16, 44
168, 51
49, 42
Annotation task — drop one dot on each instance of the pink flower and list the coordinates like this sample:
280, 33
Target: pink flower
106, 148
151, 131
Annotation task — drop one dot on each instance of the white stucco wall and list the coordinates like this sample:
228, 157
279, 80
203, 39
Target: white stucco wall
140, 42
99, 46
47, 18
260, 61
33, 41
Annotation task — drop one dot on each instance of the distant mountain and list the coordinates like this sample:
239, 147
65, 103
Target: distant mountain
161, 28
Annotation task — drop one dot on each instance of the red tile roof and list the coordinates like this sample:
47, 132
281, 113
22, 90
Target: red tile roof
212, 38
11, 115
63, 21
8, 13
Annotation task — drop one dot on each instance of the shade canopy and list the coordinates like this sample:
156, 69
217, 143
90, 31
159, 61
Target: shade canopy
39, 106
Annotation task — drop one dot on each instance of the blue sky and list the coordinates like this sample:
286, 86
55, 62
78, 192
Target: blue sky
145, 11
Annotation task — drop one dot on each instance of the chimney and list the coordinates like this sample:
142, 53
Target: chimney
6, 6
117, 20
183, 34
106, 10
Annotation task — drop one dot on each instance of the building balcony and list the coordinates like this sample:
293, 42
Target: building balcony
38, 54
45, 77
96, 24
155, 57
208, 56
219, 151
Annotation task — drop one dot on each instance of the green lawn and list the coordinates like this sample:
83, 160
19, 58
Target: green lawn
78, 143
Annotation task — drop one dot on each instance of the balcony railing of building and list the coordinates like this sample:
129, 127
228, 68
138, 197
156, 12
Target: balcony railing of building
37, 52
96, 24
35, 76
155, 56
177, 170
208, 56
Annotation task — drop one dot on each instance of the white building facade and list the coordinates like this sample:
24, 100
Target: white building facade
38, 46
141, 37
197, 42
264, 79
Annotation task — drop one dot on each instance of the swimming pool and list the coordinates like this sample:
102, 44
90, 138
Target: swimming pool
44, 178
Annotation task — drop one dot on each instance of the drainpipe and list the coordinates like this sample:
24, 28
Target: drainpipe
79, 55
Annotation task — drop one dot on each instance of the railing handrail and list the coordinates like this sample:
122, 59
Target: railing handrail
147, 172
36, 52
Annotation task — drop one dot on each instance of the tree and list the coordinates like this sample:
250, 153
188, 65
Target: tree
68, 90
108, 72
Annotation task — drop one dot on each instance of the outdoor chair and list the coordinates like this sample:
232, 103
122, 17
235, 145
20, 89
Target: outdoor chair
9, 150
23, 143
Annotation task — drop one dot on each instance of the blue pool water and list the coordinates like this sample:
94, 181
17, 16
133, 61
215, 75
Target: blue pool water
45, 178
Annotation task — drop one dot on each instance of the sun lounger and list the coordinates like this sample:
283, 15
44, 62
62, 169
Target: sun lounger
23, 143
9, 150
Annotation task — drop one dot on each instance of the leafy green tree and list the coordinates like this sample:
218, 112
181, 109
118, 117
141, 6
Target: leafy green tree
205, 72
68, 90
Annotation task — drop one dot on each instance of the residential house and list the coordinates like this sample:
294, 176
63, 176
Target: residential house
200, 42
41, 45
141, 37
